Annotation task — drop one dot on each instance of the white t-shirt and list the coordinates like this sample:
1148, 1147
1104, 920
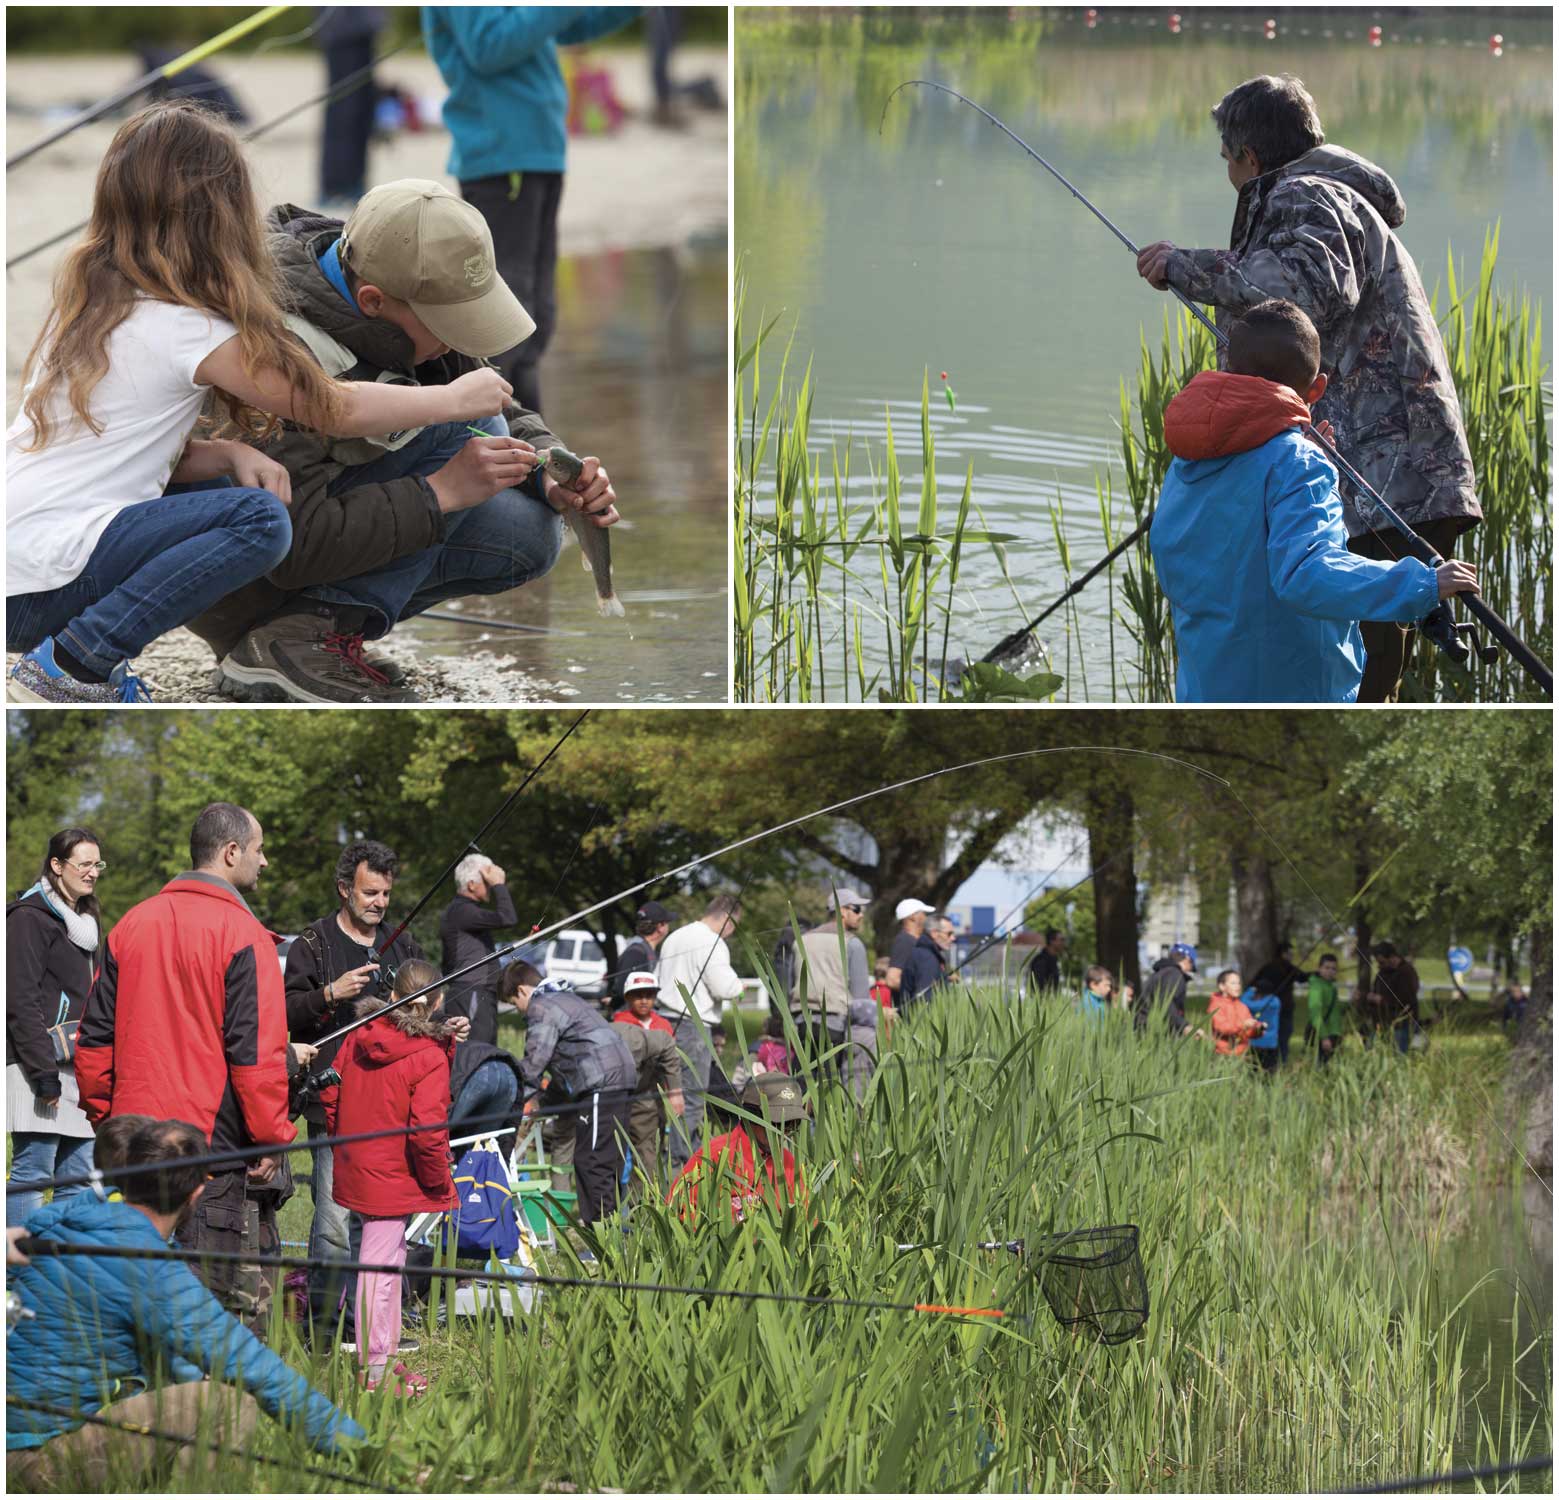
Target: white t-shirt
693, 958
59, 501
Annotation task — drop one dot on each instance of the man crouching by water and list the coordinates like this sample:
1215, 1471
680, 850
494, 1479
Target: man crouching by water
103, 1328
1314, 226
386, 527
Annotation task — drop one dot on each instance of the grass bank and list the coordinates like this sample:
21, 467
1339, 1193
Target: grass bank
1300, 1336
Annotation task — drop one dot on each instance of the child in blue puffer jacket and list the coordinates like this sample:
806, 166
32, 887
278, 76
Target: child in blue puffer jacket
1266, 1009
1248, 537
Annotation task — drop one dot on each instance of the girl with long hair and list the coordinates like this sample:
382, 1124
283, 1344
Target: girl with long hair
51, 943
169, 300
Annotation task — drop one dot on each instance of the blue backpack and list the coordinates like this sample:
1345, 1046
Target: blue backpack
485, 1221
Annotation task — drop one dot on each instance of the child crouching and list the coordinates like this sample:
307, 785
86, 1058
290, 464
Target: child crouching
1248, 536
394, 1072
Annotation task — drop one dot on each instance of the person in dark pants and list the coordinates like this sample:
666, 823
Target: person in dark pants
507, 114
590, 1068
1395, 994
346, 35
466, 930
1278, 978
331, 964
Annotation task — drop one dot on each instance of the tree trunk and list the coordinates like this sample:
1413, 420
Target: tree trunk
1111, 817
1256, 906
1530, 1081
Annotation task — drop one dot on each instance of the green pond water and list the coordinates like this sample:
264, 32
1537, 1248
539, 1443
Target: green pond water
636, 375
937, 244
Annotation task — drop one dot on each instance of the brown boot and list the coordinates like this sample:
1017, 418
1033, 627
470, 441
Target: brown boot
313, 654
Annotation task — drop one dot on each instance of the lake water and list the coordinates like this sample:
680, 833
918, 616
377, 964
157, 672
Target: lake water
637, 376
939, 245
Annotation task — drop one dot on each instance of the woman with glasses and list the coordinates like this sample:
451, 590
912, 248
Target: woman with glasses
51, 943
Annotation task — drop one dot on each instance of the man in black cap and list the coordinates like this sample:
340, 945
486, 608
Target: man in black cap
651, 923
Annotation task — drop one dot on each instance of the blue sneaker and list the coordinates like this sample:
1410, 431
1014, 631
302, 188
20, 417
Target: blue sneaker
38, 678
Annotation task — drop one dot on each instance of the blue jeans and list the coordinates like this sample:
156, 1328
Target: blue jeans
158, 565
489, 549
489, 1093
1403, 1032
38, 1157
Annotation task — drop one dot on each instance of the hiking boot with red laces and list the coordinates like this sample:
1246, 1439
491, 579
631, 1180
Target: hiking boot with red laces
312, 655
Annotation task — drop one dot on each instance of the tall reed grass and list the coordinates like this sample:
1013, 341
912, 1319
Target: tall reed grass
812, 628
1300, 1335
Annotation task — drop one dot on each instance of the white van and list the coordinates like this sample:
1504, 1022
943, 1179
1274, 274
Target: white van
576, 956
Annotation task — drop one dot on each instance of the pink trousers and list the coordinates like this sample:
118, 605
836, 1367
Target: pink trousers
379, 1294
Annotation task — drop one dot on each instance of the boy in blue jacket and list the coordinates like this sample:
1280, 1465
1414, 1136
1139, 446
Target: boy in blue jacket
507, 114
129, 1340
1248, 537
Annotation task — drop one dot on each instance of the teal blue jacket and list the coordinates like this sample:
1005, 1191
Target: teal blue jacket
103, 1329
507, 109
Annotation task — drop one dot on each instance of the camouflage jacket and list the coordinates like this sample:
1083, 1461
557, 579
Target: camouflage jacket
340, 533
1318, 232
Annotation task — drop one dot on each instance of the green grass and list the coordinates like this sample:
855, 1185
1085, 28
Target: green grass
1294, 1235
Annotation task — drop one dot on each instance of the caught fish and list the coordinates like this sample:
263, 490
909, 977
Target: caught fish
595, 545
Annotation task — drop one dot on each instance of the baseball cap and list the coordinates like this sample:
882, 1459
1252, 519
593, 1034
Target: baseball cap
908, 907
653, 911
777, 1097
415, 240
844, 896
1184, 950
640, 979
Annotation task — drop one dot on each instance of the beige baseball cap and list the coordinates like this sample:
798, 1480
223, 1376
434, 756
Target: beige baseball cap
417, 241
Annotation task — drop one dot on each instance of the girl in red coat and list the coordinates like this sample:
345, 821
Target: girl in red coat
394, 1071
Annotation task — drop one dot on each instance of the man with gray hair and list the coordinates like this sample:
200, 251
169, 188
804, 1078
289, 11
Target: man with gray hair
696, 980
1314, 226
831, 994
466, 930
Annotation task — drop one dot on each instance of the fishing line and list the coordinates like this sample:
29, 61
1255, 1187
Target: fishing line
140, 1429
347, 85
60, 1250
1456, 1476
1439, 625
167, 70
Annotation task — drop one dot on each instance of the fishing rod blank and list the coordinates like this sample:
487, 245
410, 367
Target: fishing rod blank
157, 75
1439, 625
471, 847
39, 1248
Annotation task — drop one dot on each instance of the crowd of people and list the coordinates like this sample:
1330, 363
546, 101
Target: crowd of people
163, 1066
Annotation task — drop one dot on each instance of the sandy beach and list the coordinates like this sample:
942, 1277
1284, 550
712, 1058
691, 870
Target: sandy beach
640, 188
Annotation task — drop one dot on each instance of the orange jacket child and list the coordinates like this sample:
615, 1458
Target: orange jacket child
1233, 1025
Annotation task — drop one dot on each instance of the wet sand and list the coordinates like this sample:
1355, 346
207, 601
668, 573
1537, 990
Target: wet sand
641, 189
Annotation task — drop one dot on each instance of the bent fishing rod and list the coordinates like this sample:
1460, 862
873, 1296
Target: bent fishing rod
472, 843
822, 812
1438, 626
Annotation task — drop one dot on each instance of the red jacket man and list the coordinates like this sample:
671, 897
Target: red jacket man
187, 1021
732, 1161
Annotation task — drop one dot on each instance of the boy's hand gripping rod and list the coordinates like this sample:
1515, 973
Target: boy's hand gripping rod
1439, 625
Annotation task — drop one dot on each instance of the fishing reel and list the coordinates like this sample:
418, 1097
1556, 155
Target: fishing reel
16, 1311
1440, 626
311, 1086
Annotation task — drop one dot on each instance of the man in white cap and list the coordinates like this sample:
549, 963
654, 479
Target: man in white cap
386, 527
911, 916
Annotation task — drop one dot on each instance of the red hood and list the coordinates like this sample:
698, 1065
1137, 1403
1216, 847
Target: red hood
384, 1042
1219, 414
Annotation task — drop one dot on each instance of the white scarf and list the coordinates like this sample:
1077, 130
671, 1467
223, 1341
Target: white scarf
80, 925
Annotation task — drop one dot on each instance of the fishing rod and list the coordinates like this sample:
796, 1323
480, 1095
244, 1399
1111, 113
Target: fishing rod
157, 75
350, 84
36, 1248
1439, 625
997, 935
471, 846
752, 838
160, 1435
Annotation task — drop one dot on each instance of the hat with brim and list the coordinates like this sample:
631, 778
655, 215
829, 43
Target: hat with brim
640, 980
777, 1097
416, 241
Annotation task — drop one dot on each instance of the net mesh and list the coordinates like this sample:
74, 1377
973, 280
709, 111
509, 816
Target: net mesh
1093, 1278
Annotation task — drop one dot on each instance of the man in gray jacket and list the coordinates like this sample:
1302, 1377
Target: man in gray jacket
588, 1065
1313, 226
831, 996
386, 527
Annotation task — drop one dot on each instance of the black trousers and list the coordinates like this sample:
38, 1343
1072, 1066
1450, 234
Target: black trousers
524, 224
349, 121
1386, 644
599, 1129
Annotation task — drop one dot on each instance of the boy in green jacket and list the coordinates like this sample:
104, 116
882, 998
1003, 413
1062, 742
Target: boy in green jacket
1325, 1008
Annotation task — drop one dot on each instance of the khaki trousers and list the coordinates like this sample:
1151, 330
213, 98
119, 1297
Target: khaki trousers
95, 1458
